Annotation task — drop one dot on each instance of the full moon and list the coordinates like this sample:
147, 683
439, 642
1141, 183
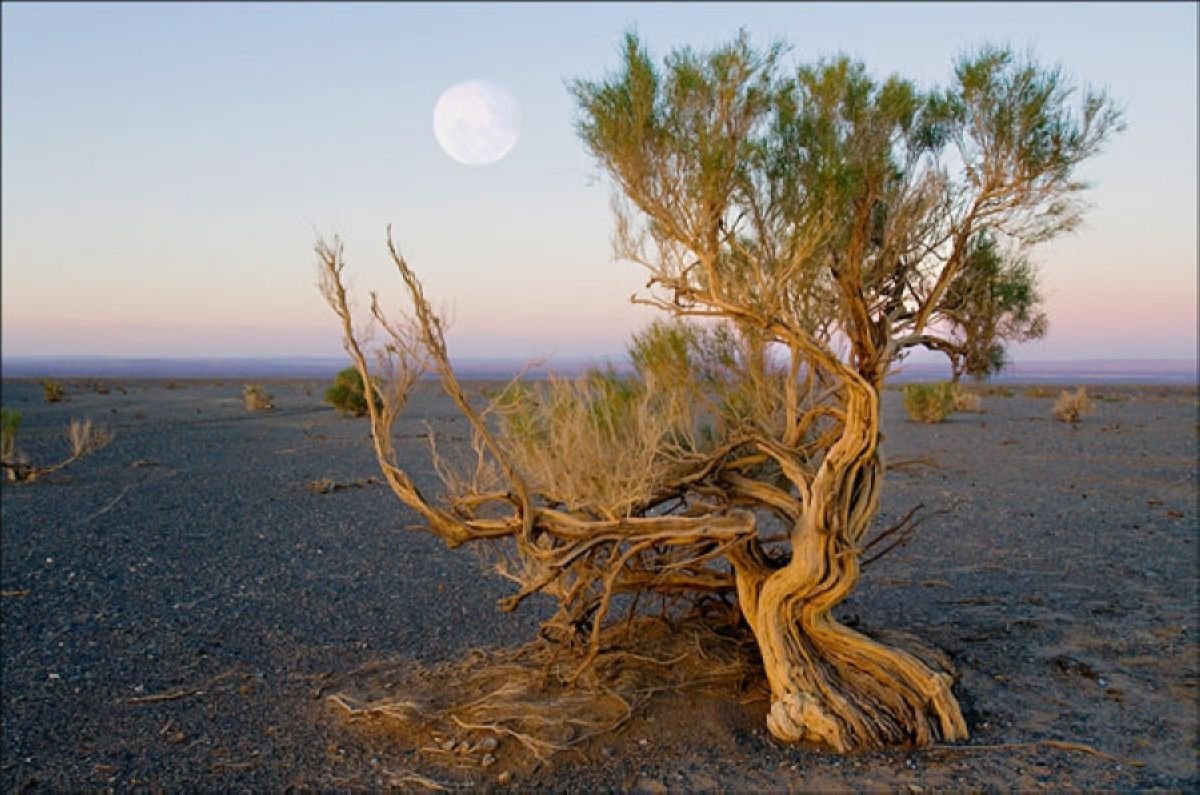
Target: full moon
476, 122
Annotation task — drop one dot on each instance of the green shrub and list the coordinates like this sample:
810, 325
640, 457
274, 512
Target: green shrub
52, 391
9, 422
929, 402
346, 394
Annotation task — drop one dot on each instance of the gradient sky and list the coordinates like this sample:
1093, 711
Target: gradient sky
164, 167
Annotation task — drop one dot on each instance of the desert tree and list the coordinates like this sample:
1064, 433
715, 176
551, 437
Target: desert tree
802, 229
994, 301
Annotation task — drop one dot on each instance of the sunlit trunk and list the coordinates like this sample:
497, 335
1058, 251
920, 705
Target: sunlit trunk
830, 684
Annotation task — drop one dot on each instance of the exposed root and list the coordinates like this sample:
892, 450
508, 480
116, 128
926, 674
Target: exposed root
179, 693
1062, 745
523, 704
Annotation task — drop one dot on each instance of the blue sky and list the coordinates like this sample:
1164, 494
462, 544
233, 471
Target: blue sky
164, 167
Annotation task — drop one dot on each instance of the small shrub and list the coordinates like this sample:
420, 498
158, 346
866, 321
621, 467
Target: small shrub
52, 391
964, 400
84, 440
1039, 392
1070, 406
346, 394
256, 398
10, 421
929, 402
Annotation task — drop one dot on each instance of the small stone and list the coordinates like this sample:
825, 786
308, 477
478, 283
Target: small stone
487, 744
488, 760
643, 742
650, 786
463, 748
504, 778
447, 745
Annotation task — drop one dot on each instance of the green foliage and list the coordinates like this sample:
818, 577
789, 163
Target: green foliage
52, 391
347, 395
10, 421
929, 402
839, 205
993, 301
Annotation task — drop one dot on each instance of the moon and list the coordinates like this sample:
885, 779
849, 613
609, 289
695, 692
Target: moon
476, 122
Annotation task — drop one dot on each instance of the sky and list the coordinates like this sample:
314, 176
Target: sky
166, 167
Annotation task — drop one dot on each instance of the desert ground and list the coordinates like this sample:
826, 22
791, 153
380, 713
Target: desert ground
178, 607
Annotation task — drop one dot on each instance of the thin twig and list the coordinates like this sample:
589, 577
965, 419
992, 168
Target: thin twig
111, 504
1062, 745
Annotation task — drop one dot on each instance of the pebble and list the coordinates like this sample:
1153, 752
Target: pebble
504, 778
488, 760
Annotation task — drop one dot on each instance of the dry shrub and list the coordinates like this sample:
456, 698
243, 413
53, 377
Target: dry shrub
84, 439
52, 391
522, 706
256, 398
1039, 392
1070, 406
929, 402
965, 400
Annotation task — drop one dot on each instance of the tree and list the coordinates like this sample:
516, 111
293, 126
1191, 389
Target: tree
994, 300
802, 230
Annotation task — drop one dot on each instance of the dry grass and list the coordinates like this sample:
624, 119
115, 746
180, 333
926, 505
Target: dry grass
256, 398
965, 400
84, 439
519, 706
1071, 406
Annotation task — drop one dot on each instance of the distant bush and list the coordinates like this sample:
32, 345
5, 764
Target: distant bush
1039, 392
1070, 406
929, 402
52, 391
964, 400
346, 394
256, 398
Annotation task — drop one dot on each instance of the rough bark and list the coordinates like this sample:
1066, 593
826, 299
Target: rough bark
830, 684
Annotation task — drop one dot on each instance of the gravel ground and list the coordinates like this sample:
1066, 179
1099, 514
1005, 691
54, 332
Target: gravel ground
169, 602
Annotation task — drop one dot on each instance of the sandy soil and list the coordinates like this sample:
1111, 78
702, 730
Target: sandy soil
175, 608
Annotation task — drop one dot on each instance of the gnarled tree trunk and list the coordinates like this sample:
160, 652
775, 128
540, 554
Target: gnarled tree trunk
830, 684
